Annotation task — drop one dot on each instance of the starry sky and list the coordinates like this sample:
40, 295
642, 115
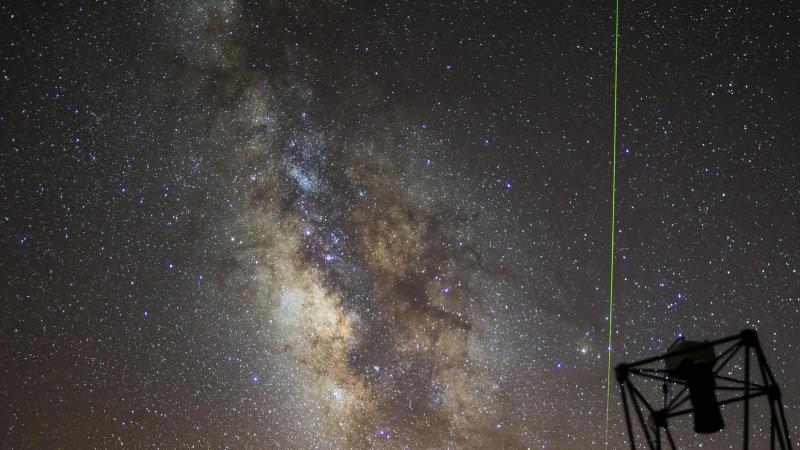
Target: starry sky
350, 224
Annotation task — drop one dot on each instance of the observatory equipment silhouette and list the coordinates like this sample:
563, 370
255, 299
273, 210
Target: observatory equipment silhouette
699, 378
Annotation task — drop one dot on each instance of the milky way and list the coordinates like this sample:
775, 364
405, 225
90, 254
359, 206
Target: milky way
234, 224
380, 305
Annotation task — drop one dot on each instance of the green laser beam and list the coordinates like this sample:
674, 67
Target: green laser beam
613, 218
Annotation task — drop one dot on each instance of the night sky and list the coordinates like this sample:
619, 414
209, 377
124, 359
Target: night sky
350, 225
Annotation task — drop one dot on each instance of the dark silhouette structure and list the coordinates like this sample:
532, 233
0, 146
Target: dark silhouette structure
706, 375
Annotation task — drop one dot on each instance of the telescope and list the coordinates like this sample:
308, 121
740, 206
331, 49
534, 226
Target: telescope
698, 379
